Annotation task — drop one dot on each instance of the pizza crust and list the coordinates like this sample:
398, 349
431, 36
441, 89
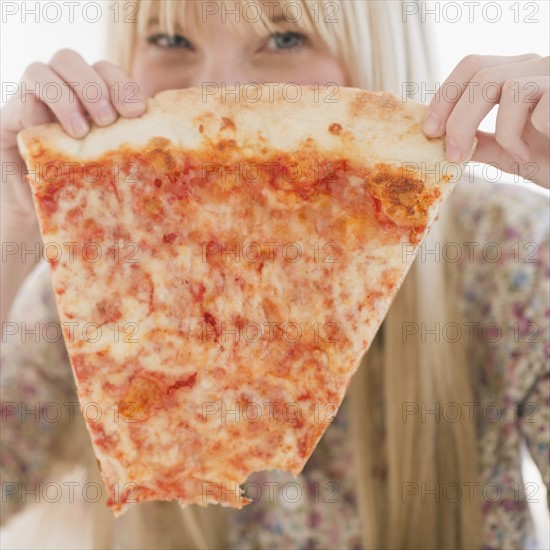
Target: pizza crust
374, 125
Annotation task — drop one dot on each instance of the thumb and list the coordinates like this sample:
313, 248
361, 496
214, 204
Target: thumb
490, 152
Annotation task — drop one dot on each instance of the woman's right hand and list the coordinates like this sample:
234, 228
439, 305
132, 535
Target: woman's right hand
68, 91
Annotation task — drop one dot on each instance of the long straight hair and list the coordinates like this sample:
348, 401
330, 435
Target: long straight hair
382, 47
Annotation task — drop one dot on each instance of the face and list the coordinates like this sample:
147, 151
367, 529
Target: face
220, 54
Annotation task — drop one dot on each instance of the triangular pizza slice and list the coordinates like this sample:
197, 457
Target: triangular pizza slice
221, 265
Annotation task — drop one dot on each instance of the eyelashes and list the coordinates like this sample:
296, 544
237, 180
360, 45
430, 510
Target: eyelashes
287, 40
168, 41
280, 41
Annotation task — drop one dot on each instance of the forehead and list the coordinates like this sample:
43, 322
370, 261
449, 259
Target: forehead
262, 16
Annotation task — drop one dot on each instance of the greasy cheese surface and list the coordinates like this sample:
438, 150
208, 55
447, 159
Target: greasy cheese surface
236, 295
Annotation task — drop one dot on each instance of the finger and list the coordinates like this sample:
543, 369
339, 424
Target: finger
518, 99
36, 113
86, 84
454, 86
490, 152
31, 112
482, 94
67, 109
540, 119
125, 94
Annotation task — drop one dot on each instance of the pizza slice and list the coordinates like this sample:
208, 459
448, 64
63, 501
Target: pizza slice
221, 265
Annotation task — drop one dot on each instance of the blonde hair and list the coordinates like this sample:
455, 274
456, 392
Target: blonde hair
380, 52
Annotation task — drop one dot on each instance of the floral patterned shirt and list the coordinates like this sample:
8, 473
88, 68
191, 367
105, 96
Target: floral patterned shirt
504, 286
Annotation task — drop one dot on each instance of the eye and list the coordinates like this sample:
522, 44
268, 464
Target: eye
286, 41
169, 41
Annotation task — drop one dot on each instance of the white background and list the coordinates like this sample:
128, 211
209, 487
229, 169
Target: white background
521, 28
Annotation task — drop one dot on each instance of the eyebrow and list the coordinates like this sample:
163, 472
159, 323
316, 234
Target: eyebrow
275, 20
281, 19
154, 21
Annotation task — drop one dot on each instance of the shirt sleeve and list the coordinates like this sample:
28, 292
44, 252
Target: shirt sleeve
507, 289
534, 409
42, 427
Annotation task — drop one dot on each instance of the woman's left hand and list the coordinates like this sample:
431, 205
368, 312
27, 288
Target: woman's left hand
521, 87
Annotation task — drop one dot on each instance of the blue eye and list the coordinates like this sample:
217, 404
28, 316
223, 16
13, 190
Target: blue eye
286, 40
169, 41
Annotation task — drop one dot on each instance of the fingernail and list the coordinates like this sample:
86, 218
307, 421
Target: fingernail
105, 113
79, 125
432, 124
136, 107
452, 151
